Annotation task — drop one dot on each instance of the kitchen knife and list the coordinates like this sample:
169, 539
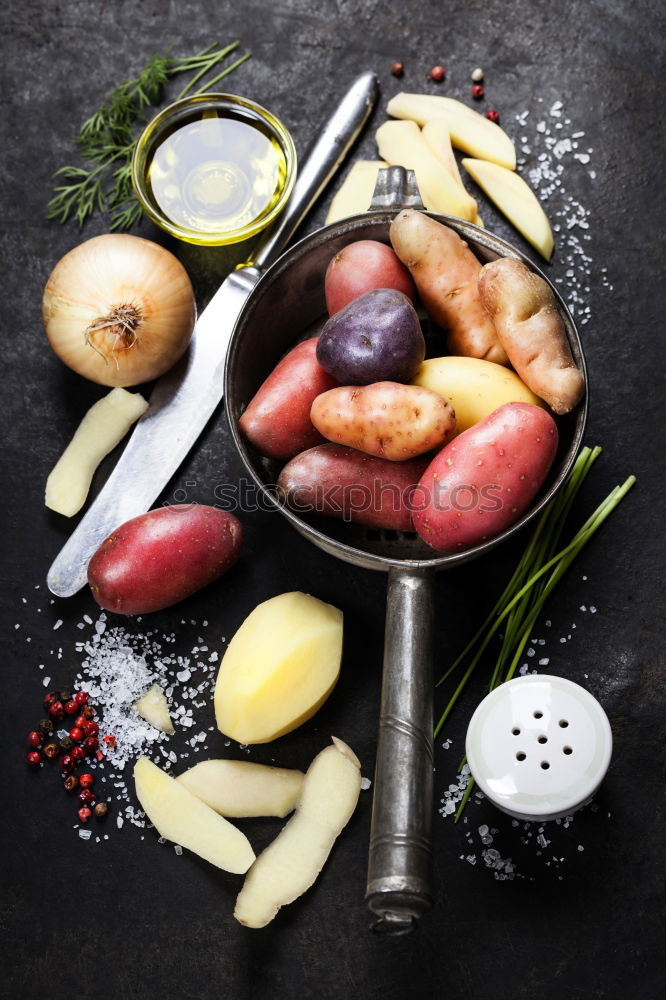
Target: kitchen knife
184, 399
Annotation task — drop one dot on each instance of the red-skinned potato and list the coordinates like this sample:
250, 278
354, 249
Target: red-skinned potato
484, 479
351, 486
385, 419
358, 268
160, 558
277, 418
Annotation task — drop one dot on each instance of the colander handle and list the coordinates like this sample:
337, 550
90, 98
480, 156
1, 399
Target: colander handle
400, 861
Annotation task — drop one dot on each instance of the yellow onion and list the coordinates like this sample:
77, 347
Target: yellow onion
119, 309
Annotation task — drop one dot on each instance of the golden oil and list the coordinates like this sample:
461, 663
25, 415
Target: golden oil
216, 172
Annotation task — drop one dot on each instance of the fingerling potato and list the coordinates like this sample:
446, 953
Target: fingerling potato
446, 274
529, 325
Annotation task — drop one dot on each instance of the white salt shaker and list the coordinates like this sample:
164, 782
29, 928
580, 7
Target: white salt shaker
539, 746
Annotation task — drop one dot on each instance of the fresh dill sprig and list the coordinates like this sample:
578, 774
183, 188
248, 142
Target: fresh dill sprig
107, 139
535, 577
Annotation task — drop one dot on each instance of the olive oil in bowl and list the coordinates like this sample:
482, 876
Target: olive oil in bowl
214, 169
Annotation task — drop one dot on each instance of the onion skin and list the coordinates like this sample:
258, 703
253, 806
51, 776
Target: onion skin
158, 559
117, 271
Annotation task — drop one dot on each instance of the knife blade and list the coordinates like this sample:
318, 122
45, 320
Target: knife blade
184, 399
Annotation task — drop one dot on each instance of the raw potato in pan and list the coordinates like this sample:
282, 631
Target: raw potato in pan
446, 273
530, 328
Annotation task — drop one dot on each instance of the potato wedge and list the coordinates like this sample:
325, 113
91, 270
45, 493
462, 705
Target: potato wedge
401, 143
469, 131
292, 862
181, 817
240, 788
437, 136
516, 200
355, 194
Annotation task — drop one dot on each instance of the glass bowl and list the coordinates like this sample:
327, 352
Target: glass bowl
214, 169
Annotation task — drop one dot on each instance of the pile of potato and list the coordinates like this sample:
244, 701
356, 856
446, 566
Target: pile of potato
454, 447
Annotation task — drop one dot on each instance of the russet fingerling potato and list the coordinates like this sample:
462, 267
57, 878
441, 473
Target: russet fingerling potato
483, 480
446, 273
386, 419
376, 337
361, 266
160, 558
279, 668
529, 324
347, 484
277, 418
473, 387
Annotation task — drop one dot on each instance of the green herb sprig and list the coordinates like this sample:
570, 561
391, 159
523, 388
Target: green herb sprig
537, 574
107, 139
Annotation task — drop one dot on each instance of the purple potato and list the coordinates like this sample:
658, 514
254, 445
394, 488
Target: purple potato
376, 338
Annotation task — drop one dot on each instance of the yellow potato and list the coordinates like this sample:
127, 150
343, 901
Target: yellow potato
279, 668
473, 387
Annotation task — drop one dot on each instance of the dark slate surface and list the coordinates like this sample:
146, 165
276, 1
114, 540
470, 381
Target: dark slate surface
126, 918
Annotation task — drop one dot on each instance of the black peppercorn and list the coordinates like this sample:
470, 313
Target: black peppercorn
66, 743
64, 696
100, 810
88, 712
45, 726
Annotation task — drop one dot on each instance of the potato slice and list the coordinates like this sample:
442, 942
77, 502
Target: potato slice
516, 200
291, 863
401, 143
104, 426
355, 194
279, 668
182, 817
239, 788
469, 131
154, 709
436, 135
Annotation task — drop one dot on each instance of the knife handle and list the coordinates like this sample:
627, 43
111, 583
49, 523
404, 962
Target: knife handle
324, 158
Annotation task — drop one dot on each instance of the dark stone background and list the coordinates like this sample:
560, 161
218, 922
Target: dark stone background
127, 919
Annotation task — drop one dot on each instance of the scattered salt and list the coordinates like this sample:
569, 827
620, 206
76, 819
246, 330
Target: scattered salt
85, 834
365, 784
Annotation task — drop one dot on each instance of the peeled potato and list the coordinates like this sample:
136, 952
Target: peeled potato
180, 816
516, 200
240, 788
355, 194
291, 863
279, 668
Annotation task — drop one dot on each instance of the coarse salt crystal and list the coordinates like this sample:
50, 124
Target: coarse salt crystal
85, 834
